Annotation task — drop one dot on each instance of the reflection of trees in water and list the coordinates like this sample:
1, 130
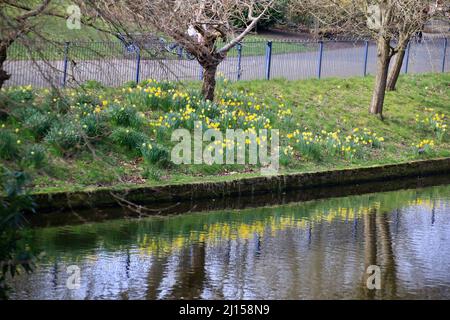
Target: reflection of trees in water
377, 235
370, 248
155, 276
240, 262
191, 273
315, 250
249, 265
388, 275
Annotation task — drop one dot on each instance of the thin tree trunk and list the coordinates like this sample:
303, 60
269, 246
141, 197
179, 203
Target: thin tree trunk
4, 76
397, 67
209, 81
383, 59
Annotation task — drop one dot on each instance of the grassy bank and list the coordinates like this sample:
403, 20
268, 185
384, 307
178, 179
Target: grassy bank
102, 137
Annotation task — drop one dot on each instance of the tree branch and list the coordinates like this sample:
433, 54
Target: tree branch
249, 28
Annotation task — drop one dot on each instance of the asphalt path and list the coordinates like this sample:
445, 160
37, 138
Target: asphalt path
338, 60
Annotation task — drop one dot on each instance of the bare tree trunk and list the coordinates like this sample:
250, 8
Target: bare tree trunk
397, 67
4, 76
383, 59
209, 81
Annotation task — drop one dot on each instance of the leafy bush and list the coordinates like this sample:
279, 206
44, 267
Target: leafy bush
24, 112
128, 138
94, 125
84, 98
35, 156
14, 201
20, 95
309, 146
39, 124
130, 84
287, 155
9, 144
64, 136
126, 117
154, 154
153, 95
56, 102
92, 84
152, 173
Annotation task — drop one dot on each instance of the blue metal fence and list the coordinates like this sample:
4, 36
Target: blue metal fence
113, 64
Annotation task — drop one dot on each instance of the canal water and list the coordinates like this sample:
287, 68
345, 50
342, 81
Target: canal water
318, 249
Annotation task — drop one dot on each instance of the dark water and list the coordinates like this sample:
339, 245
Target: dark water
311, 250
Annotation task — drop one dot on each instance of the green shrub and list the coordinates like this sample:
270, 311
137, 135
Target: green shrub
39, 124
128, 138
23, 113
9, 144
164, 85
15, 254
154, 154
64, 136
35, 156
130, 84
84, 98
94, 125
56, 102
152, 173
19, 95
92, 84
125, 116
309, 147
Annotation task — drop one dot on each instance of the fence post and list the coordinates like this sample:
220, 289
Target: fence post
319, 67
366, 56
66, 62
239, 50
445, 53
138, 64
407, 57
268, 59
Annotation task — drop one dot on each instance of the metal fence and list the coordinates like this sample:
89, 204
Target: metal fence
113, 63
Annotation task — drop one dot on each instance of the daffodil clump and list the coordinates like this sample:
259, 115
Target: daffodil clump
21, 94
9, 143
433, 121
424, 146
151, 94
334, 144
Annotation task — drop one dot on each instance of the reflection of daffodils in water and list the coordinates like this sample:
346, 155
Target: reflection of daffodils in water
215, 233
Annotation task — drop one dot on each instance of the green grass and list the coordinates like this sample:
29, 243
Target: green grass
115, 160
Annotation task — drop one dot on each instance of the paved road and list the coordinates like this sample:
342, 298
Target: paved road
338, 61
